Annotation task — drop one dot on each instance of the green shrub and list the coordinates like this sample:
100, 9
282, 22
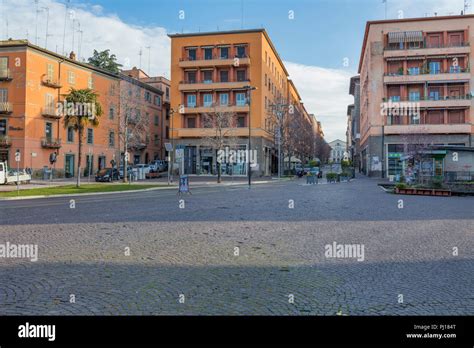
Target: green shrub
331, 176
401, 185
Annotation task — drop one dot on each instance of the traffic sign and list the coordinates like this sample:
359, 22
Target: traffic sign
17, 156
169, 147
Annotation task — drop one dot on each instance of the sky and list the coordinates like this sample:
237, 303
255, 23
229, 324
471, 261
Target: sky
318, 40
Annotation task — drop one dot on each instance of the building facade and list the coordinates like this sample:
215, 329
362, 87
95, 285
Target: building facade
35, 81
415, 89
32, 82
143, 112
353, 123
338, 151
234, 74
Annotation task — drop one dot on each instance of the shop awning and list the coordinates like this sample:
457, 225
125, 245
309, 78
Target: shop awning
413, 36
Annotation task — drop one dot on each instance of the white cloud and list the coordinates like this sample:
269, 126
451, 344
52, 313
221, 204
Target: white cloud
325, 92
100, 31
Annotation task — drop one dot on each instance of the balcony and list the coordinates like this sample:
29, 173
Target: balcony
5, 141
209, 132
438, 76
50, 83
51, 143
427, 50
461, 128
6, 108
440, 102
5, 75
202, 109
214, 61
50, 112
211, 85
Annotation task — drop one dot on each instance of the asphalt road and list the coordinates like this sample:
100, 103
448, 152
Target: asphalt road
418, 254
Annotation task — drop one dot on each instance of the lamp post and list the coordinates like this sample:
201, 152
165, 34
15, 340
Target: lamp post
249, 89
171, 155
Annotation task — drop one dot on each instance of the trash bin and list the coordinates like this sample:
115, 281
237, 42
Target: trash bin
46, 173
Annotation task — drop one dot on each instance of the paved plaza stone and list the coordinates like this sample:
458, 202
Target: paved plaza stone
191, 251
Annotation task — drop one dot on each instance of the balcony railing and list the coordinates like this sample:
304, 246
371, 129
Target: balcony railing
50, 112
217, 105
5, 141
213, 57
191, 82
451, 70
427, 98
5, 108
51, 143
5, 75
424, 45
50, 83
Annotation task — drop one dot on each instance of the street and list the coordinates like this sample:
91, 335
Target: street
231, 250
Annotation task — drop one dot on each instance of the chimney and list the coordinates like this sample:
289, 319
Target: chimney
72, 55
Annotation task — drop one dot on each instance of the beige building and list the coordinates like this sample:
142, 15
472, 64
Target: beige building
415, 89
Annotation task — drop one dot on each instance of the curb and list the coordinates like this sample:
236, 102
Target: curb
128, 191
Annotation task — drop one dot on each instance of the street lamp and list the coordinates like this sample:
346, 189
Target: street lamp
249, 89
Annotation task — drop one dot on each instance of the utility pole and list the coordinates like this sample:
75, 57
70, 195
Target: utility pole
249, 169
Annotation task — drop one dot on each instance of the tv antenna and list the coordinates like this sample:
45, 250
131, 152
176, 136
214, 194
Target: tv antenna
140, 53
47, 26
65, 22
149, 59
466, 6
36, 22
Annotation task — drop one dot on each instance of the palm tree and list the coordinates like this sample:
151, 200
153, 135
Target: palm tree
82, 109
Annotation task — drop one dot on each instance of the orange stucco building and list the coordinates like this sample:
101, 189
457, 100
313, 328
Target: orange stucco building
423, 64
32, 83
212, 72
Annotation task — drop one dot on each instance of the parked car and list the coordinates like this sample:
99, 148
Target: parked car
129, 170
159, 165
145, 167
107, 175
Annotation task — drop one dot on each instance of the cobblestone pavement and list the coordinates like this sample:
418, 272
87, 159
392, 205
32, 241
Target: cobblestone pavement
190, 252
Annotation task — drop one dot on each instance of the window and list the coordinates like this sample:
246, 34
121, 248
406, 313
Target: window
111, 113
49, 130
224, 99
414, 96
241, 52
208, 53
3, 127
434, 94
207, 76
191, 122
241, 121
241, 75
158, 100
414, 70
224, 53
167, 132
224, 75
111, 138
167, 92
455, 69
49, 71
3, 66
414, 117
435, 67
90, 82
191, 76
191, 99
70, 134
207, 98
148, 96
71, 77
156, 139
90, 136
192, 54
157, 120
49, 104
395, 98
240, 97
456, 116
265, 79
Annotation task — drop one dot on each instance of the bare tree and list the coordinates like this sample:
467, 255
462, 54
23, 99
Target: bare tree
221, 125
133, 125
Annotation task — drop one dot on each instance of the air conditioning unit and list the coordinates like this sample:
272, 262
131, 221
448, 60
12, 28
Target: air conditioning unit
357, 136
